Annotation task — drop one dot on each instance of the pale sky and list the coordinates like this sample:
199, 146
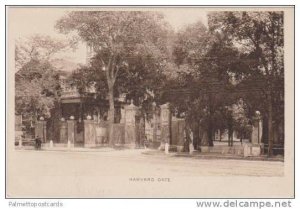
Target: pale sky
24, 22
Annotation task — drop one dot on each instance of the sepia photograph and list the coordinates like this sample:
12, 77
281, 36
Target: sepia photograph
150, 102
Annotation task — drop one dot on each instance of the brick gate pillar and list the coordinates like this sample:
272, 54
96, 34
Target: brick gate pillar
71, 124
63, 131
165, 121
41, 129
89, 132
130, 124
155, 121
256, 135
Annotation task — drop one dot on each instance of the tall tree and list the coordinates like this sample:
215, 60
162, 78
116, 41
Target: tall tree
117, 38
39, 47
203, 60
36, 78
259, 36
37, 87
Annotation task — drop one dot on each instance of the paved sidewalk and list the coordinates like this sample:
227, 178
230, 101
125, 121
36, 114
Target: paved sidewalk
153, 152
74, 149
200, 155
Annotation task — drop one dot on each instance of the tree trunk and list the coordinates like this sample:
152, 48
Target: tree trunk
265, 131
230, 132
270, 125
196, 140
210, 125
154, 124
210, 134
142, 130
111, 114
188, 138
275, 133
230, 136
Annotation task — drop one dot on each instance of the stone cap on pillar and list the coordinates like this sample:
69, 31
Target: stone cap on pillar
153, 104
131, 106
165, 106
257, 116
42, 120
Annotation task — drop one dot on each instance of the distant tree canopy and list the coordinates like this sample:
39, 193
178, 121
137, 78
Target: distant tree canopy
36, 80
39, 47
